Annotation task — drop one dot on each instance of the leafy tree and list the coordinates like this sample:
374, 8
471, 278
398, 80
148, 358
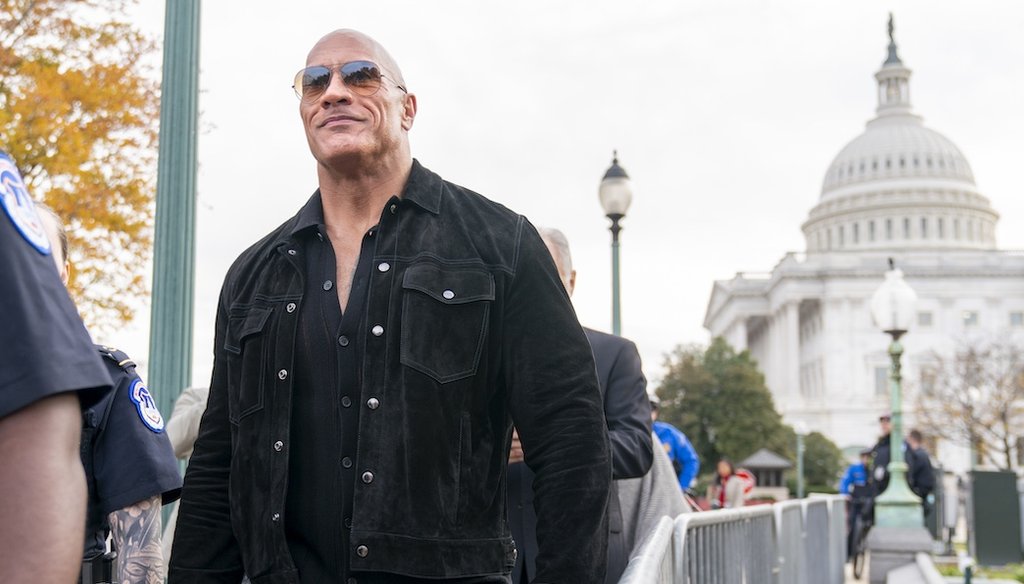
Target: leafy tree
79, 113
823, 460
976, 396
718, 398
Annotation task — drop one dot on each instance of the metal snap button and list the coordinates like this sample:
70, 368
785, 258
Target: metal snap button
373, 403
282, 374
394, 208
346, 462
346, 401
383, 266
278, 445
448, 294
377, 330
362, 551
291, 252
291, 307
343, 341
328, 285
367, 477
275, 517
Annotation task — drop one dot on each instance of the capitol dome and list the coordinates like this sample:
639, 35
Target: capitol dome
899, 185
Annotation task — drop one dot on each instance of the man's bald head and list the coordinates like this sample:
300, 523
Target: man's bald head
379, 54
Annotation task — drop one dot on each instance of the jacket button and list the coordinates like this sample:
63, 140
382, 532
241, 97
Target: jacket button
343, 341
278, 445
367, 477
377, 330
291, 252
346, 462
448, 294
275, 517
383, 266
291, 307
346, 401
282, 374
362, 551
373, 403
328, 285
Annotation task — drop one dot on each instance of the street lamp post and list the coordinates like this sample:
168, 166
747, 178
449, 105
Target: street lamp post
616, 194
801, 431
892, 308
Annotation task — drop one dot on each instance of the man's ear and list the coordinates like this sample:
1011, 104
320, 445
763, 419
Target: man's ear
65, 274
408, 111
572, 282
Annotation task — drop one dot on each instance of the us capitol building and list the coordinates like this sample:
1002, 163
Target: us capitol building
899, 190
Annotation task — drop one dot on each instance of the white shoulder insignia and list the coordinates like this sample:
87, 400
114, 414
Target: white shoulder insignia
19, 207
146, 406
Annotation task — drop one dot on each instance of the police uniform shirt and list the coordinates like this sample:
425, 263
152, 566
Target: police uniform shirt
127, 456
46, 349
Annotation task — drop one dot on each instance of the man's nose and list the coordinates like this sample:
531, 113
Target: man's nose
336, 90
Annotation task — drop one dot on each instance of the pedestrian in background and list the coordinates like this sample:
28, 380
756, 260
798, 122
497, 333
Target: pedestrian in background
727, 492
677, 446
628, 419
129, 465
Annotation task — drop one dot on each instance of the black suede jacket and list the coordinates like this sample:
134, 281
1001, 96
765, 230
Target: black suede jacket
468, 328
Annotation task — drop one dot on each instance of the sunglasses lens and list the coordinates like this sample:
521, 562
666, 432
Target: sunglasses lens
363, 77
312, 81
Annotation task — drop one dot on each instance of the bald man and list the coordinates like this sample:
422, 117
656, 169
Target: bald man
371, 355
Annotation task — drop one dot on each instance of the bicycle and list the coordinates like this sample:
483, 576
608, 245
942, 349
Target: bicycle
862, 518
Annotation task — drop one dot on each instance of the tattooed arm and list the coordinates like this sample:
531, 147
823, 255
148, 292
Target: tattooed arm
136, 533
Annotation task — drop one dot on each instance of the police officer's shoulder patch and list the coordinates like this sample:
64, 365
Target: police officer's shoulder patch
19, 207
146, 406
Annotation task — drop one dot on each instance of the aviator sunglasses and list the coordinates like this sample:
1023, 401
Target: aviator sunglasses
362, 77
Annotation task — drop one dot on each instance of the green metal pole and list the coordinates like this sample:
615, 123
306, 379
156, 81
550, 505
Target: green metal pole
616, 314
170, 333
799, 466
898, 506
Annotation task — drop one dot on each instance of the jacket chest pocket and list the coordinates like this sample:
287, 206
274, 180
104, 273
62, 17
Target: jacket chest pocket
444, 320
248, 350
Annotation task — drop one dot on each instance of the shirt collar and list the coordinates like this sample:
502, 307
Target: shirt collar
311, 215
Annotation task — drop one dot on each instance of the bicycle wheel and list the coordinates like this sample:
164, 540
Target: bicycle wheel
860, 547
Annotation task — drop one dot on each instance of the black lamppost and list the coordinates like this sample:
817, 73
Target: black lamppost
616, 193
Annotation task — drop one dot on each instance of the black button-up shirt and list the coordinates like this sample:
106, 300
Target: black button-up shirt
325, 421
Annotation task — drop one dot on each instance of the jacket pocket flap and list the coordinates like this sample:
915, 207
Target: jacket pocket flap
245, 325
450, 286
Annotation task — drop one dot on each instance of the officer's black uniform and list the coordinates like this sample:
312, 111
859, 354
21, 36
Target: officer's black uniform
126, 454
44, 348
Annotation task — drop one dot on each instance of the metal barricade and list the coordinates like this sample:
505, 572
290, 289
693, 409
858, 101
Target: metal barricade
793, 542
654, 558
732, 545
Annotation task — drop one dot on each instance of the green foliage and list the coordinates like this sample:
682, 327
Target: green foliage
718, 398
823, 461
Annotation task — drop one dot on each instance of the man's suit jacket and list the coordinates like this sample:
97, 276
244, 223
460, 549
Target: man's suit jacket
627, 412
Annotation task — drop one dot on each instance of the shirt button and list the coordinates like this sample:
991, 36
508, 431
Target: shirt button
377, 330
275, 517
343, 341
346, 462
282, 374
373, 403
448, 294
369, 233
346, 401
383, 266
328, 285
348, 524
367, 477
394, 208
278, 445
362, 551
290, 307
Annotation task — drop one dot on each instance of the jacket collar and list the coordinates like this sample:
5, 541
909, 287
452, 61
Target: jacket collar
423, 189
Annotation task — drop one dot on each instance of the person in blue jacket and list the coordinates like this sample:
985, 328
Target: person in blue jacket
856, 474
677, 446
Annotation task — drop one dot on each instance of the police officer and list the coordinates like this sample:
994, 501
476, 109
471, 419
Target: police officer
129, 464
47, 358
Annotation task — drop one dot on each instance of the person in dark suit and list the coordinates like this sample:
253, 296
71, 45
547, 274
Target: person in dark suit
628, 415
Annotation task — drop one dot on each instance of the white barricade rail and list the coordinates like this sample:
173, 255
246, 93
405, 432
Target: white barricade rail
652, 561
793, 542
733, 545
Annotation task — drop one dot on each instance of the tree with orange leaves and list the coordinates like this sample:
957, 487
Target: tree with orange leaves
79, 113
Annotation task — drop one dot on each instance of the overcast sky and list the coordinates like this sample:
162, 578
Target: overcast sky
725, 114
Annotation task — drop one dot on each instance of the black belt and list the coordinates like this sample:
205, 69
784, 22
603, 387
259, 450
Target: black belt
99, 570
